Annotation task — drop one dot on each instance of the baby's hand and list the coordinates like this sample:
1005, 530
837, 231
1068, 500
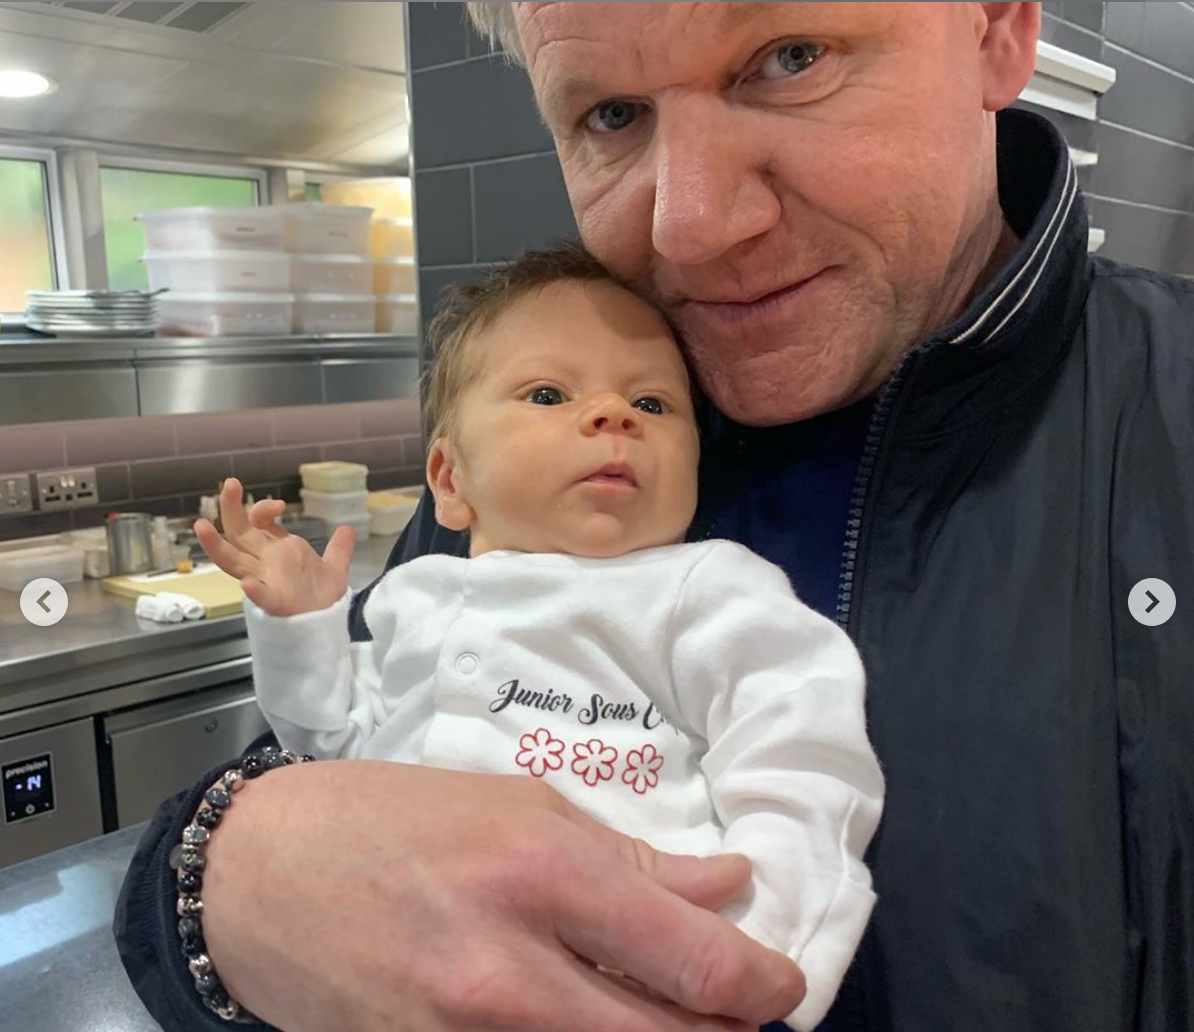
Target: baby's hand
279, 571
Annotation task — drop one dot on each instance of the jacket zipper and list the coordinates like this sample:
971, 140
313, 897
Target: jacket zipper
852, 1010
876, 428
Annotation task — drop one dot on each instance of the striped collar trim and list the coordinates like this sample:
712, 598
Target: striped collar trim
989, 320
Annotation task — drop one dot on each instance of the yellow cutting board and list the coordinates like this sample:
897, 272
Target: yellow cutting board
219, 593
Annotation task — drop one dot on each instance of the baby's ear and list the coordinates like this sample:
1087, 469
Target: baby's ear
452, 509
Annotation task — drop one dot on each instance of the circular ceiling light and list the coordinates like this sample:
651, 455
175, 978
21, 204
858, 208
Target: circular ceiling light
17, 84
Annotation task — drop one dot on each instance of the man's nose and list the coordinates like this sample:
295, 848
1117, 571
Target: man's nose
710, 189
611, 414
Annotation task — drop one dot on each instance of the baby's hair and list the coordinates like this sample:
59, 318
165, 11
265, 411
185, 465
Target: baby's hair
467, 309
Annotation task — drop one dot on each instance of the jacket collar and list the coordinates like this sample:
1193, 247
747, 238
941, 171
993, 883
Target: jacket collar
1022, 322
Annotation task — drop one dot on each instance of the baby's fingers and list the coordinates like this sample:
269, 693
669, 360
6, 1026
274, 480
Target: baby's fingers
232, 509
256, 592
338, 553
226, 556
263, 514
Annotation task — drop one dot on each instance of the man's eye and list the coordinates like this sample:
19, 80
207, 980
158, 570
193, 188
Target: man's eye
545, 396
790, 59
612, 115
652, 405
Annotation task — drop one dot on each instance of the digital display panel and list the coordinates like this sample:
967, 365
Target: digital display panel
28, 787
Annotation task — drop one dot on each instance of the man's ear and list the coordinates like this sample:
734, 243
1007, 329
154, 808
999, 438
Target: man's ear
1007, 50
452, 509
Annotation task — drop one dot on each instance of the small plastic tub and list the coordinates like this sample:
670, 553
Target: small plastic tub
214, 229
226, 315
58, 562
335, 507
335, 313
327, 229
390, 511
392, 238
394, 276
334, 477
218, 272
399, 314
331, 274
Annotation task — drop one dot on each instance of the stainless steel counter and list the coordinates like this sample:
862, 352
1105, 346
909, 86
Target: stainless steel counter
43, 380
59, 969
102, 643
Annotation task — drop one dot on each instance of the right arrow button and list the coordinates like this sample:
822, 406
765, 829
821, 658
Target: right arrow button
1152, 602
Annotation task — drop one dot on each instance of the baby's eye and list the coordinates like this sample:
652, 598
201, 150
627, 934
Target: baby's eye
651, 405
545, 396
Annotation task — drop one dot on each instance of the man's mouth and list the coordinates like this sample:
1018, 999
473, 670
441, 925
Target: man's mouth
745, 307
614, 474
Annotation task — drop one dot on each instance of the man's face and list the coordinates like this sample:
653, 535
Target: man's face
806, 188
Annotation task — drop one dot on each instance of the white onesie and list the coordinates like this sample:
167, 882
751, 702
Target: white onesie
682, 695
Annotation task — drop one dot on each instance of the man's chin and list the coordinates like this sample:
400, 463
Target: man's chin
765, 406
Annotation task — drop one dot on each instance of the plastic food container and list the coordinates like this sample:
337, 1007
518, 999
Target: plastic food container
392, 238
359, 524
226, 315
335, 508
58, 562
215, 229
334, 477
398, 314
331, 274
390, 511
327, 229
335, 313
218, 272
394, 276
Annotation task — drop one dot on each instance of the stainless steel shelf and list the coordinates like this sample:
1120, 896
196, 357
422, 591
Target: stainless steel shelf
44, 380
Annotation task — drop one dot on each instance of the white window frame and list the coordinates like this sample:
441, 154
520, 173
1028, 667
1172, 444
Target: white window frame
48, 159
191, 168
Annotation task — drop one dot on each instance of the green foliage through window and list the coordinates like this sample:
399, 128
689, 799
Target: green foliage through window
26, 258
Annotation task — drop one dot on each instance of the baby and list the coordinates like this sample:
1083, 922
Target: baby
679, 693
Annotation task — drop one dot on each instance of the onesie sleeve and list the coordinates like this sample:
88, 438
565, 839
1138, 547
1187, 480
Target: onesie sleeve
777, 691
320, 692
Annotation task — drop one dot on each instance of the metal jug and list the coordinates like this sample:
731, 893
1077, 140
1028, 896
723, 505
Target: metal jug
130, 542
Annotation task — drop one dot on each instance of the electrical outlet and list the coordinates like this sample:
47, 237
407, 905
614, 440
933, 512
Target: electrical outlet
15, 495
67, 489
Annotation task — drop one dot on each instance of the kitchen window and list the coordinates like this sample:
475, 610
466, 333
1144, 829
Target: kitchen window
26, 230
127, 190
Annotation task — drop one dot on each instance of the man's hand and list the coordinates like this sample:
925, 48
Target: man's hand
361, 896
278, 571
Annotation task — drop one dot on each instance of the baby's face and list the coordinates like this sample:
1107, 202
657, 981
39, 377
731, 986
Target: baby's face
579, 435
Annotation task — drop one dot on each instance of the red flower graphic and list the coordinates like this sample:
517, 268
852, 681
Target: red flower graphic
539, 752
642, 768
594, 761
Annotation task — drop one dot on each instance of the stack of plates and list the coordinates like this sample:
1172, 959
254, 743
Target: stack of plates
91, 313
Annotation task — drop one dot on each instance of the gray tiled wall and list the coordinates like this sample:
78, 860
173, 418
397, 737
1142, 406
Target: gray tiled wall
1141, 192
486, 180
162, 464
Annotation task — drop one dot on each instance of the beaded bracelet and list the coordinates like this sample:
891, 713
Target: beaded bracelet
189, 860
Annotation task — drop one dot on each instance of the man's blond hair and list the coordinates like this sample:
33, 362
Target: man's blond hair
495, 22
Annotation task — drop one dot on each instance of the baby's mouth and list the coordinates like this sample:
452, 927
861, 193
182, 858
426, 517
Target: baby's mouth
616, 474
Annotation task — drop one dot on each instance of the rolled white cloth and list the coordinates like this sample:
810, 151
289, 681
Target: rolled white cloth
155, 607
192, 608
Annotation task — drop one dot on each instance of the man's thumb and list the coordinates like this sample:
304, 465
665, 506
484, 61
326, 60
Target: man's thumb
707, 882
